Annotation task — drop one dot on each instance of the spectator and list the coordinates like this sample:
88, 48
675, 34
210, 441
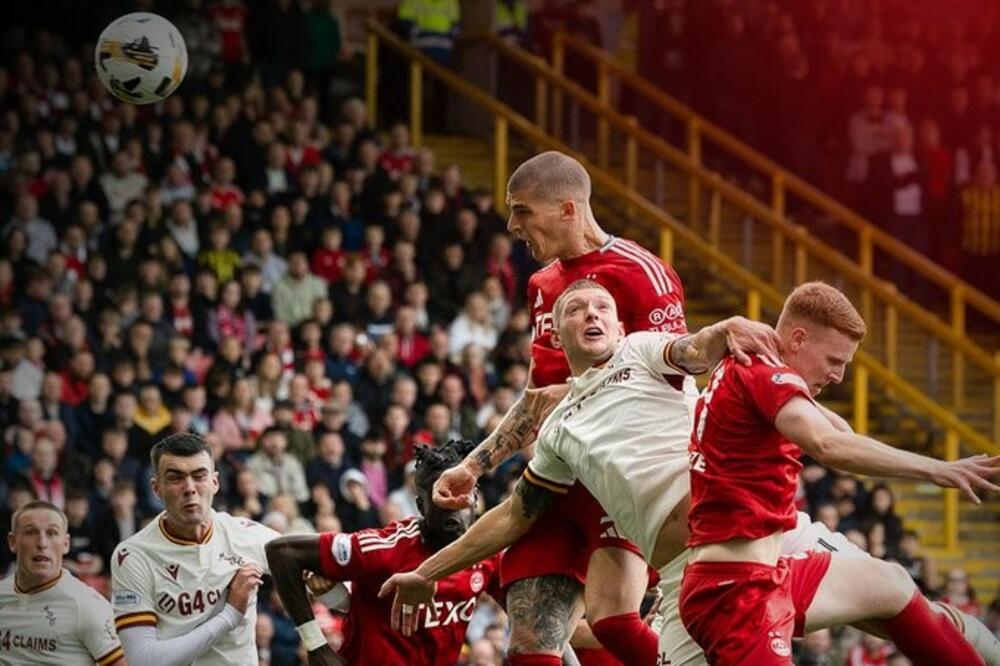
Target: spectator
294, 295
881, 510
120, 522
959, 593
46, 481
472, 327
917, 564
261, 254
356, 512
122, 184
405, 497
330, 463
275, 470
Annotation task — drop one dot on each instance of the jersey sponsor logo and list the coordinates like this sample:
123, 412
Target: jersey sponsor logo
173, 570
668, 313
189, 603
696, 461
11, 641
476, 581
126, 599
789, 378
543, 324
780, 646
235, 560
122, 554
49, 615
448, 612
341, 548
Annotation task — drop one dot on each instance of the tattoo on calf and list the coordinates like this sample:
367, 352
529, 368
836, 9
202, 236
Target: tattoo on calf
534, 500
541, 610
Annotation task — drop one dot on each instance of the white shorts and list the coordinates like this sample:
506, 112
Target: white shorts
677, 648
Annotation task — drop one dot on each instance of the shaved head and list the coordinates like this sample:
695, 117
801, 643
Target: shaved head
551, 176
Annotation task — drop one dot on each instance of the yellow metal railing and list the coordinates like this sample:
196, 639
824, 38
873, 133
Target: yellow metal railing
759, 293
699, 130
805, 247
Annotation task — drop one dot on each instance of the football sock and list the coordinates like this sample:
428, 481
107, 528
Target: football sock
628, 638
929, 638
981, 638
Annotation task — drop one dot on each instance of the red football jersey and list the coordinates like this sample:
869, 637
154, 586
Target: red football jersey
368, 558
744, 472
648, 293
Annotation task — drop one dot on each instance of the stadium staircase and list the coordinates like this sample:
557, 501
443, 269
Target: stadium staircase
927, 382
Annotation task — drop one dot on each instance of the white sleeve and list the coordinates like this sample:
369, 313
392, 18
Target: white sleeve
257, 537
547, 470
143, 647
97, 628
653, 349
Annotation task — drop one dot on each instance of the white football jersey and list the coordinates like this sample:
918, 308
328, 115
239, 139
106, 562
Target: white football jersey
158, 579
60, 623
623, 432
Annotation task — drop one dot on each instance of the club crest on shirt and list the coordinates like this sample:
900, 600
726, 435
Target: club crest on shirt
476, 581
780, 646
49, 615
789, 378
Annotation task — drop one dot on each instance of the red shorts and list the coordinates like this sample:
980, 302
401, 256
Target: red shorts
747, 613
561, 541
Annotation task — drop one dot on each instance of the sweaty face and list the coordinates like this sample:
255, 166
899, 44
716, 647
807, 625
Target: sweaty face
39, 541
186, 484
819, 354
536, 222
588, 328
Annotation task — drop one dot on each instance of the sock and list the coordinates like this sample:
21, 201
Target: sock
929, 638
534, 660
981, 638
628, 638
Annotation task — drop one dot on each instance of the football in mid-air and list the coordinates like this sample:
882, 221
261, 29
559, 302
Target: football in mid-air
141, 58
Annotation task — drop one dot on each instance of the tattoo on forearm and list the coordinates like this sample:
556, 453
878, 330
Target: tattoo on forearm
534, 500
541, 613
509, 437
684, 354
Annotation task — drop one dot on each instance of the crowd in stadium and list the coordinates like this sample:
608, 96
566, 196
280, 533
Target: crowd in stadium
254, 262
893, 107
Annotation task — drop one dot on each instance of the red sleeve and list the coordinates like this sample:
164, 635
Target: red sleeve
340, 557
770, 388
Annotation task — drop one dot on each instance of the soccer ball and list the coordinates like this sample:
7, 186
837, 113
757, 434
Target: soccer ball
141, 58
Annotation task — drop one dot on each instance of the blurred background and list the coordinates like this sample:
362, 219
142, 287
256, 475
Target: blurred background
310, 236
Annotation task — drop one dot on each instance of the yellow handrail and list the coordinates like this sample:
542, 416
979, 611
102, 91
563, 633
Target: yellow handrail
607, 63
751, 205
758, 292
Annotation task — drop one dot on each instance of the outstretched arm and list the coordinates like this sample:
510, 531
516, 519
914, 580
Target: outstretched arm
498, 528
803, 423
288, 557
699, 352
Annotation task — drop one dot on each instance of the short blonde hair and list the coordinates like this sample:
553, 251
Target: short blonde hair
821, 304
35, 505
551, 176
578, 285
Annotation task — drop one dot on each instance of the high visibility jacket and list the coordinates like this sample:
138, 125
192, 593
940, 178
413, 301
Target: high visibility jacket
432, 25
512, 18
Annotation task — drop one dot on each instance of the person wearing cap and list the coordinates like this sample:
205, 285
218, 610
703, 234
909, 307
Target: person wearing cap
406, 495
356, 512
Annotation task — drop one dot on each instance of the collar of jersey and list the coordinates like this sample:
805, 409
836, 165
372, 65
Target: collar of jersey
41, 587
180, 541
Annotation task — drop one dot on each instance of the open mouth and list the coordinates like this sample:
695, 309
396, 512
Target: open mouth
40, 558
593, 332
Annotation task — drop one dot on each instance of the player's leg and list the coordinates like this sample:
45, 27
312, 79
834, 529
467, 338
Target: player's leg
857, 589
676, 647
542, 611
617, 578
808, 535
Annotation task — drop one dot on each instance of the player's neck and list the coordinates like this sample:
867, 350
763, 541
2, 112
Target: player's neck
593, 238
27, 582
195, 533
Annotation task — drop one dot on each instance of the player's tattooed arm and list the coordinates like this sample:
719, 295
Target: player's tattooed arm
512, 434
288, 557
532, 500
699, 352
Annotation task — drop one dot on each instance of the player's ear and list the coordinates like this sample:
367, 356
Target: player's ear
621, 329
567, 209
65, 544
798, 338
215, 480
556, 342
11, 540
155, 485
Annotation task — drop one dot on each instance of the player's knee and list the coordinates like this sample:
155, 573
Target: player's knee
897, 586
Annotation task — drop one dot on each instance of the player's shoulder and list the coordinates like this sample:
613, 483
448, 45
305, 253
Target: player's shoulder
395, 538
7, 584
766, 370
141, 544
625, 255
82, 595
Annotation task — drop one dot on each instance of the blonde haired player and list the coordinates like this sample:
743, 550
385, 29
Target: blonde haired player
184, 587
47, 616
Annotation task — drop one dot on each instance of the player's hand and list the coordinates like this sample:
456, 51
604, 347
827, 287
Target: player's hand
317, 585
969, 475
541, 401
411, 590
325, 656
454, 488
243, 585
745, 337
